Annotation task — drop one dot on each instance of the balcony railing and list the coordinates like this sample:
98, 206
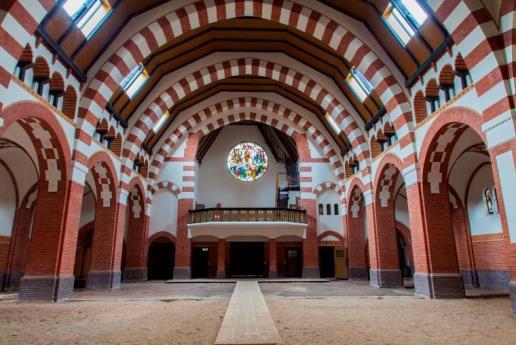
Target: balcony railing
247, 215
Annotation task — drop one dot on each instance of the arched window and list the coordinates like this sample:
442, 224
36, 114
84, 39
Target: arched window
321, 209
336, 209
56, 90
328, 209
446, 82
24, 64
432, 96
461, 70
41, 76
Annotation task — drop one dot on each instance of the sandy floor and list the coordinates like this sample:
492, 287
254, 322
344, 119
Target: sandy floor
305, 313
393, 320
113, 322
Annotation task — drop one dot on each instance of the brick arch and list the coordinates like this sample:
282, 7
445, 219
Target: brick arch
104, 174
293, 122
385, 180
320, 188
201, 13
440, 140
238, 67
167, 185
48, 139
330, 233
159, 234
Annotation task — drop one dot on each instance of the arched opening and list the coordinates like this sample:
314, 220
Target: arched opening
463, 77
456, 172
432, 97
35, 150
389, 211
83, 254
446, 83
41, 77
101, 270
161, 256
24, 66
357, 236
56, 90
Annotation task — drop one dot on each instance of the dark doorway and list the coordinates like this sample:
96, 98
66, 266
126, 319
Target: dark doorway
83, 258
293, 262
201, 262
404, 259
247, 259
160, 264
327, 262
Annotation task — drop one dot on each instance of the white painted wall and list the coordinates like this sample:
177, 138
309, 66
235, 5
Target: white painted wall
332, 222
7, 202
401, 210
164, 213
216, 184
480, 222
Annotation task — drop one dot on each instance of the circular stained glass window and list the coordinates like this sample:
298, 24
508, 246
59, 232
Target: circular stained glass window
247, 161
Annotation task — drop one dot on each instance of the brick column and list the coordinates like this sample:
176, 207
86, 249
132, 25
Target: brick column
385, 270
51, 256
221, 259
435, 255
183, 265
186, 202
356, 238
138, 229
105, 254
273, 264
309, 204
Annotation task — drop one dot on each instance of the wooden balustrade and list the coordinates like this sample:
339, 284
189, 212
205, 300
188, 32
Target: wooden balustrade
246, 215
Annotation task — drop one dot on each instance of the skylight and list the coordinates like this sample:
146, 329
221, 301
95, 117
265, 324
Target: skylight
360, 85
333, 124
88, 15
160, 122
134, 80
404, 17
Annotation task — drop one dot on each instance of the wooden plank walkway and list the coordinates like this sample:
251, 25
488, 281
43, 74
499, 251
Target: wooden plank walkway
248, 320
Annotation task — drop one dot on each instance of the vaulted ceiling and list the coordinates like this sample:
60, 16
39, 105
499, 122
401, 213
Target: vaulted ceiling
248, 35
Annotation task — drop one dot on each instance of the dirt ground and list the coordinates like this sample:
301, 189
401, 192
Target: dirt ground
112, 322
318, 314
393, 320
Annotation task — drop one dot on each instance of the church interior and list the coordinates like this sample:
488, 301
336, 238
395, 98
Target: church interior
327, 158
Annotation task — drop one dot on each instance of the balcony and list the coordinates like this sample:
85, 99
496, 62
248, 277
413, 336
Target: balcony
224, 223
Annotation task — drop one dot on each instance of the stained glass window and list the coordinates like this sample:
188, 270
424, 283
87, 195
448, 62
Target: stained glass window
247, 161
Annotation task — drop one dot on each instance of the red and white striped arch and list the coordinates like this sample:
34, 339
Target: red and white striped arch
166, 185
247, 108
481, 44
201, 13
239, 67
